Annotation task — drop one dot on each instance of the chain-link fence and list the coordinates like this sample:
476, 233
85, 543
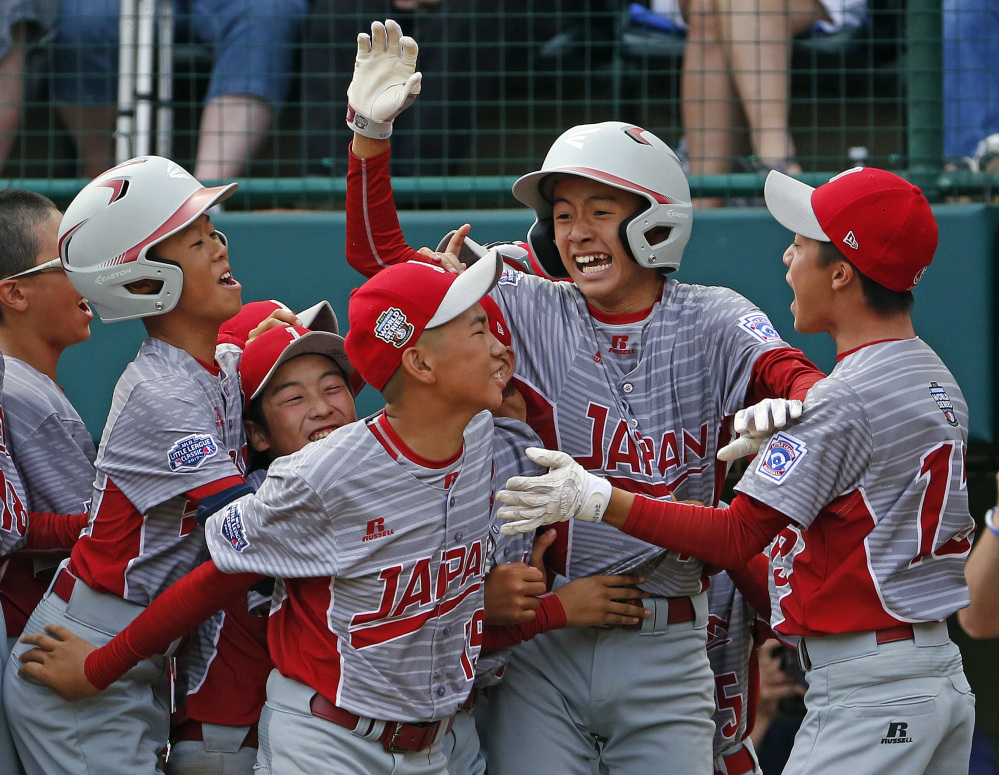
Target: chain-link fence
255, 90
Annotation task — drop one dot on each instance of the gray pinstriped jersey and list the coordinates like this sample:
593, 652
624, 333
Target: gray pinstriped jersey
173, 427
730, 642
13, 513
652, 428
51, 446
402, 609
872, 477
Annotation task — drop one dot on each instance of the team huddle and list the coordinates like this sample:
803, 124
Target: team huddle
521, 563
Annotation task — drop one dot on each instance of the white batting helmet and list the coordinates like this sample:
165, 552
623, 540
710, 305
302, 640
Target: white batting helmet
110, 226
624, 156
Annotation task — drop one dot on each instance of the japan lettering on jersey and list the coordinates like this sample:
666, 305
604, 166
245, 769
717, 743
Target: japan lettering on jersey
653, 429
384, 614
873, 480
161, 449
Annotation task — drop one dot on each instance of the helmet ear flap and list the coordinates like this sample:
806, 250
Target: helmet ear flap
542, 240
622, 230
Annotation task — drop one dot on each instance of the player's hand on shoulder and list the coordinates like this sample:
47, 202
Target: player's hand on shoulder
567, 491
603, 601
755, 424
58, 661
385, 80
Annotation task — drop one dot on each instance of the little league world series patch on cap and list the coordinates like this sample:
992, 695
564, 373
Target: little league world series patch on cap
881, 222
391, 310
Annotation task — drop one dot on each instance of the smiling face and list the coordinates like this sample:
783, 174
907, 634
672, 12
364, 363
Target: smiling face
468, 361
59, 314
588, 216
209, 292
305, 400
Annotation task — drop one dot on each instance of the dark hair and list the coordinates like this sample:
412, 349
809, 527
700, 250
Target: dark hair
21, 213
882, 301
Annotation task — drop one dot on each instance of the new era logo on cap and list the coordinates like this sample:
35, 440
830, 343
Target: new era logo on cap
851, 240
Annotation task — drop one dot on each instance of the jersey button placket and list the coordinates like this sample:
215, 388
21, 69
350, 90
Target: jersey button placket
627, 387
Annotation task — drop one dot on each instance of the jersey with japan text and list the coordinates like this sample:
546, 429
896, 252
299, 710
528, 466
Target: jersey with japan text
873, 480
13, 513
648, 416
381, 566
54, 455
730, 652
174, 435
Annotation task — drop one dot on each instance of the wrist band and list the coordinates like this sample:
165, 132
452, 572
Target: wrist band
989, 523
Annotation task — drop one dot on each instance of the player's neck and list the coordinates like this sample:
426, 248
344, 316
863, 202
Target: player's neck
864, 327
32, 349
196, 340
434, 435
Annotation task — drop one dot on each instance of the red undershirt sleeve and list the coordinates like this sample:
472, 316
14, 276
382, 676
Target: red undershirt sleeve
374, 237
549, 616
782, 373
725, 537
752, 582
53, 531
177, 611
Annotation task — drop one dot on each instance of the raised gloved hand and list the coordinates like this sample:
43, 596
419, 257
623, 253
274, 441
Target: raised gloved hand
385, 80
757, 423
567, 491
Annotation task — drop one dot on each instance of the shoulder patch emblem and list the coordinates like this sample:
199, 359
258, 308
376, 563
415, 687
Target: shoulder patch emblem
782, 454
191, 451
393, 327
510, 277
232, 529
759, 325
944, 402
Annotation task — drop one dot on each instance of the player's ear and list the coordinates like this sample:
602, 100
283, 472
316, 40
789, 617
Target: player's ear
257, 436
417, 363
843, 273
12, 295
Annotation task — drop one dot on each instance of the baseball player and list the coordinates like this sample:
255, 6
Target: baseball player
41, 314
863, 503
216, 727
137, 243
379, 535
612, 212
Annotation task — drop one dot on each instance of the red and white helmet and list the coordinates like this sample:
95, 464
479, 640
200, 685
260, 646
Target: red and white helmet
110, 226
624, 156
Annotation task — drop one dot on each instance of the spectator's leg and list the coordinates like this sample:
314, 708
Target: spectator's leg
85, 61
12, 88
232, 129
710, 115
757, 35
971, 79
254, 42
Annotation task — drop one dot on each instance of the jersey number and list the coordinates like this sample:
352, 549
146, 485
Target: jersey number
935, 470
729, 704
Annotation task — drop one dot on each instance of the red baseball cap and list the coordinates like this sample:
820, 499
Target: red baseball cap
879, 221
391, 310
236, 330
263, 356
497, 323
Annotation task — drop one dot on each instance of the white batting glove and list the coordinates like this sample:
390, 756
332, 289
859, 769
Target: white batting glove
757, 423
567, 491
385, 80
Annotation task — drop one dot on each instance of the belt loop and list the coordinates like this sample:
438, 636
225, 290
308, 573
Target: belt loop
659, 620
700, 603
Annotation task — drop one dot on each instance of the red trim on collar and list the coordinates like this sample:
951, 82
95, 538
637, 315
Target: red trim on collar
615, 319
383, 426
212, 368
841, 356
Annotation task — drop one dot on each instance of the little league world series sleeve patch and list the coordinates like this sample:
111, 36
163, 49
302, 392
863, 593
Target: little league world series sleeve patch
782, 454
190, 452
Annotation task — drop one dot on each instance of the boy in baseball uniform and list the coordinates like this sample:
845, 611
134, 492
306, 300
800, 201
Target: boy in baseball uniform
863, 503
613, 213
137, 243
